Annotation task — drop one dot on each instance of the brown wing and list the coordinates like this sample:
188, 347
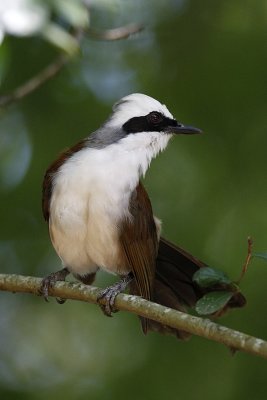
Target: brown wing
51, 171
140, 244
175, 269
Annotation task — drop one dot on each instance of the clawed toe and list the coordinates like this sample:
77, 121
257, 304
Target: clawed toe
49, 281
110, 294
106, 310
44, 290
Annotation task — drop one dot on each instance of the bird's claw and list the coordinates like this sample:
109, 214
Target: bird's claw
49, 281
110, 294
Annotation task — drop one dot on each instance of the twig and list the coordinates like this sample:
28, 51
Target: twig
56, 65
34, 83
248, 258
176, 319
42, 77
123, 32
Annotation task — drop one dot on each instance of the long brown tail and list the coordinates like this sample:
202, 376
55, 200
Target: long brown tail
175, 288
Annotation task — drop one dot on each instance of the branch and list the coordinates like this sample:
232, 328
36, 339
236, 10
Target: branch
167, 316
34, 83
123, 32
56, 65
248, 259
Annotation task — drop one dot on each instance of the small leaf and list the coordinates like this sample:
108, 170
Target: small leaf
24, 17
74, 11
212, 302
2, 35
61, 38
260, 255
207, 276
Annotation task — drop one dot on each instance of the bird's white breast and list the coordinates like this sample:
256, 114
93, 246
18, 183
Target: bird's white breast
91, 193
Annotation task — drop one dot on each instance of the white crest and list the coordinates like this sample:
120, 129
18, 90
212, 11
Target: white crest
135, 105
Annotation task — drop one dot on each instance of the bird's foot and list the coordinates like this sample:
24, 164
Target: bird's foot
49, 282
110, 294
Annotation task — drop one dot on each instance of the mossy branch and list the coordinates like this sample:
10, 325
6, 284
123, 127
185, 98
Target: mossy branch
176, 319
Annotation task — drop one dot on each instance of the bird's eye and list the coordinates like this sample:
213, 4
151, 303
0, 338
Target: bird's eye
155, 117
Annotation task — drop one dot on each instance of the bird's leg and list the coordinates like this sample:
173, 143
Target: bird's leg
86, 279
50, 280
111, 292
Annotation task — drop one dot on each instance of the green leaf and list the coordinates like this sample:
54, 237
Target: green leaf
212, 302
61, 38
74, 11
260, 255
208, 276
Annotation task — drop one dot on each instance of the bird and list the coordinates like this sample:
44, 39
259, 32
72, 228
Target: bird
100, 216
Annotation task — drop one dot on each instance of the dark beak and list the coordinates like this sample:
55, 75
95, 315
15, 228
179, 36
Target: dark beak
182, 129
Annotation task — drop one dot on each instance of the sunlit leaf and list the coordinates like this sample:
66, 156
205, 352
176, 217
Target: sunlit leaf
61, 38
208, 276
29, 17
22, 17
212, 302
2, 35
74, 11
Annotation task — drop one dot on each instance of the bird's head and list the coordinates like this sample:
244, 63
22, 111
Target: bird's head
138, 113
139, 124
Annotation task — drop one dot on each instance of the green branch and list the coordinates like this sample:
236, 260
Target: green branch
167, 316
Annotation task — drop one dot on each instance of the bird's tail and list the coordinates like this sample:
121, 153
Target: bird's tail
174, 286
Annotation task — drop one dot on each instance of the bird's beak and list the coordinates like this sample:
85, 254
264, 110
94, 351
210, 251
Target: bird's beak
183, 129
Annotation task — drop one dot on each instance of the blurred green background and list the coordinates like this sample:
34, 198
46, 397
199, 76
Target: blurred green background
208, 62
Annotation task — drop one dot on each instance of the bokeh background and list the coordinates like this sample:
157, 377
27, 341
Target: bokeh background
208, 62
